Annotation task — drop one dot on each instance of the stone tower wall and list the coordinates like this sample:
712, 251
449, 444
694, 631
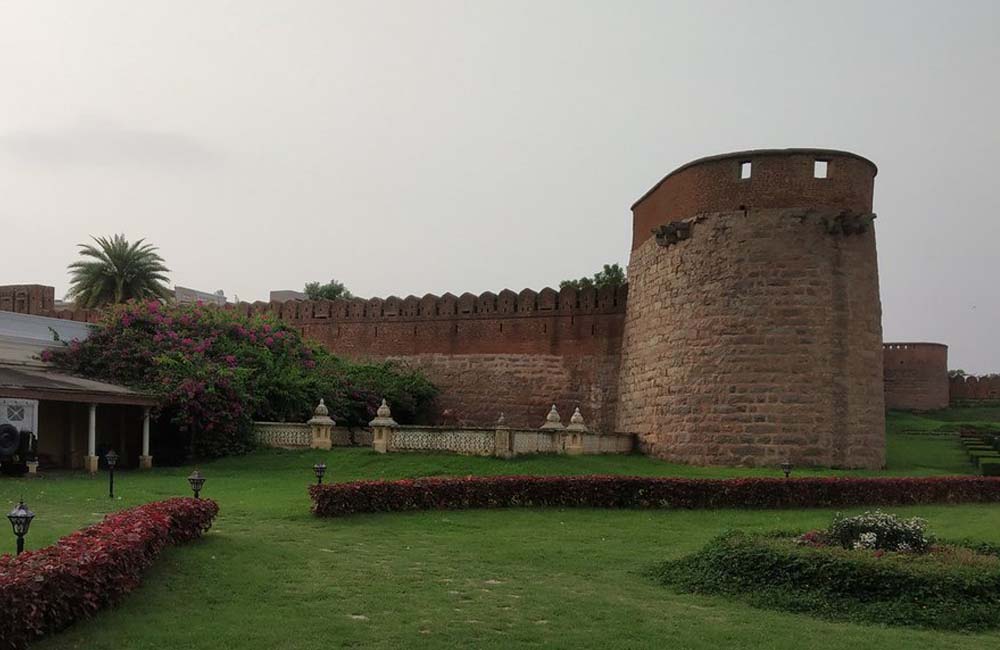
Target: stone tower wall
753, 336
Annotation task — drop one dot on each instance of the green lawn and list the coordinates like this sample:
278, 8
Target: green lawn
271, 576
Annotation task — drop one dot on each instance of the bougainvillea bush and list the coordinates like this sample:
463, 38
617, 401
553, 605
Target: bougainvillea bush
950, 586
338, 499
216, 371
45, 590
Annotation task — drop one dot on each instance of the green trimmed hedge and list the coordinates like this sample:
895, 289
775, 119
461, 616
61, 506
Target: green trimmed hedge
990, 467
955, 587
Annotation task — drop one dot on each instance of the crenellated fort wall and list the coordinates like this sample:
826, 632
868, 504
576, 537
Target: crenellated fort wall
750, 332
513, 352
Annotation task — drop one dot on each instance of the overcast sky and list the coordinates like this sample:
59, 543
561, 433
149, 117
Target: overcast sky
419, 147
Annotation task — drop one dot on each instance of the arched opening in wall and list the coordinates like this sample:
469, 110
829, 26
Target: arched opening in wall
746, 168
821, 168
376, 331
545, 328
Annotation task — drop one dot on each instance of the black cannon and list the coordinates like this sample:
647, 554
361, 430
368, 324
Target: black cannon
16, 449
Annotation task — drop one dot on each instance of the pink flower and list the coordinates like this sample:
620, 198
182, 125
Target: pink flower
269, 341
153, 306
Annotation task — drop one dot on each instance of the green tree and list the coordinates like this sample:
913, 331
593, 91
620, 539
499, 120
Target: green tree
329, 291
115, 271
612, 275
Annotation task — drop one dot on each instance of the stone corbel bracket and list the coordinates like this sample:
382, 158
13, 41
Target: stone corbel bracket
673, 232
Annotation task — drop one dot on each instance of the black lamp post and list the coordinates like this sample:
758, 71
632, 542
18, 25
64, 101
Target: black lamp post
20, 519
112, 459
196, 480
786, 468
320, 470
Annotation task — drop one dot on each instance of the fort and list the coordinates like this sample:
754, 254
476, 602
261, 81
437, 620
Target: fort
749, 332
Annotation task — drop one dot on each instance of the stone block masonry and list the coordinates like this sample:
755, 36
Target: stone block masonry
753, 334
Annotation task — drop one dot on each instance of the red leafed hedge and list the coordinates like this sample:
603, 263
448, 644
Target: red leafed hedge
45, 590
337, 499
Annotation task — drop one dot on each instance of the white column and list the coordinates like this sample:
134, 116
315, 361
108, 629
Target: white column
90, 462
92, 432
145, 460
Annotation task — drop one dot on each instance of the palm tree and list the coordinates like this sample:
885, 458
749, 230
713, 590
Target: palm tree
116, 271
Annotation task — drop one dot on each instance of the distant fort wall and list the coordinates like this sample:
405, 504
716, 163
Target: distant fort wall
916, 376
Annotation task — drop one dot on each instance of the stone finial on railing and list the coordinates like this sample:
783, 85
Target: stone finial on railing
576, 422
502, 421
382, 427
383, 417
572, 442
321, 425
552, 420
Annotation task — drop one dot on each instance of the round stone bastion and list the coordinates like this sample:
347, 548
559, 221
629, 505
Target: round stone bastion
753, 327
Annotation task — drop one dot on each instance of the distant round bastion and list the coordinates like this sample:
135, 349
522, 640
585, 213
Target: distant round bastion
753, 329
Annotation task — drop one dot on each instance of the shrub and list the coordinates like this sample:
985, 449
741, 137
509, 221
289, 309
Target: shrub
338, 499
45, 590
215, 371
990, 467
955, 587
881, 531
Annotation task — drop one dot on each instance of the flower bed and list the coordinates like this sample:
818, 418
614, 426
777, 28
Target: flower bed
45, 590
950, 586
338, 499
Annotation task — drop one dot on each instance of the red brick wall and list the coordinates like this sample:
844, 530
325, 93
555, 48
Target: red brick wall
975, 389
513, 352
916, 376
779, 179
27, 298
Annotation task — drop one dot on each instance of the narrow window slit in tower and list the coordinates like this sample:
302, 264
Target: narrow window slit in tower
820, 168
745, 170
